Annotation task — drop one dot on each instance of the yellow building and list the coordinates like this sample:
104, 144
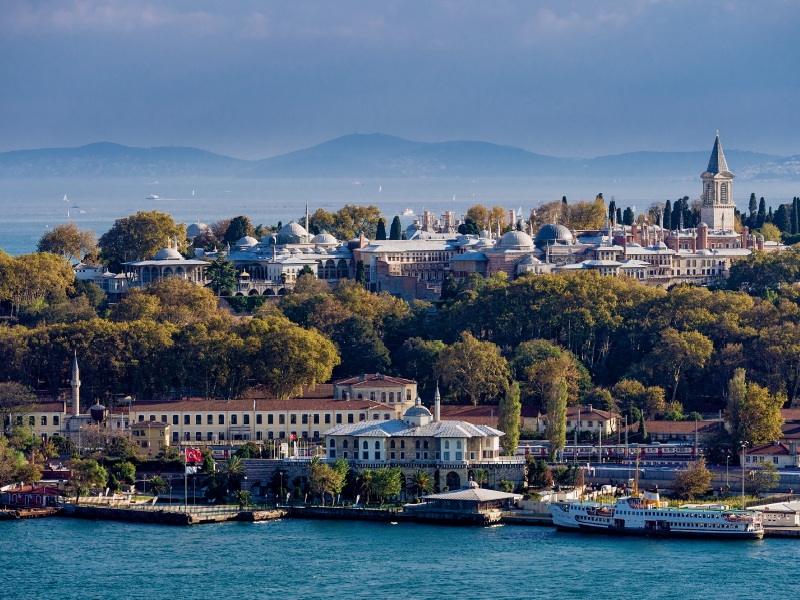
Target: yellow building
150, 437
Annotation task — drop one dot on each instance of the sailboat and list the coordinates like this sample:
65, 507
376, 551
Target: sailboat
380, 188
65, 198
192, 192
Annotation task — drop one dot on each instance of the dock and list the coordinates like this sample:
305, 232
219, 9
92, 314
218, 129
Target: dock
28, 513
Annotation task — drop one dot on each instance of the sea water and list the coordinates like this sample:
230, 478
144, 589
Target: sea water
66, 558
29, 207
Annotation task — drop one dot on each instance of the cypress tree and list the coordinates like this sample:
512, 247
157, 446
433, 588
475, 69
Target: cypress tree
396, 230
762, 213
781, 219
676, 214
361, 275
752, 206
619, 215
380, 233
627, 216
793, 214
612, 210
668, 215
563, 199
770, 215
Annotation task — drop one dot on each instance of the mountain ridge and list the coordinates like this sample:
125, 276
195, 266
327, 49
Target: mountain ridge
376, 155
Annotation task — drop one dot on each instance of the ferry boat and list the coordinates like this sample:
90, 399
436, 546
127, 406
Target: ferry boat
152, 197
647, 515
408, 212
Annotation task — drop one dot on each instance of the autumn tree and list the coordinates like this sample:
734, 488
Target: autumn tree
556, 408
677, 353
31, 278
585, 215
692, 481
139, 237
508, 418
238, 228
473, 370
479, 214
68, 240
538, 362
15, 400
763, 478
86, 475
753, 413
630, 393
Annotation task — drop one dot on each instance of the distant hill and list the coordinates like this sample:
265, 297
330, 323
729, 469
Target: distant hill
377, 155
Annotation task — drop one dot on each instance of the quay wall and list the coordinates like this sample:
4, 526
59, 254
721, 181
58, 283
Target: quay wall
346, 513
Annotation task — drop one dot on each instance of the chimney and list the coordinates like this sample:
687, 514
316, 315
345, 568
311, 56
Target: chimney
437, 405
745, 231
694, 242
76, 386
760, 242
624, 244
633, 233
589, 407
702, 236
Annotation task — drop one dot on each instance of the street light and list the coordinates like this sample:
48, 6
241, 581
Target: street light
744, 454
727, 461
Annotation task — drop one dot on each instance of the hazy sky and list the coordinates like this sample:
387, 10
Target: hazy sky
255, 78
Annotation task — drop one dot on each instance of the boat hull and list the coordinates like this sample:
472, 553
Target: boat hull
666, 533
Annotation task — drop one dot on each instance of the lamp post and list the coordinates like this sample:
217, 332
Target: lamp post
727, 461
744, 454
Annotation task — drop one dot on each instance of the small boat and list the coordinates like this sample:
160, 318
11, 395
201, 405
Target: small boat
380, 187
152, 197
75, 205
192, 192
81, 212
409, 212
65, 198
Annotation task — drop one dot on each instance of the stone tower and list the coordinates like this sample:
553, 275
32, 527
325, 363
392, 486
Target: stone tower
76, 386
717, 208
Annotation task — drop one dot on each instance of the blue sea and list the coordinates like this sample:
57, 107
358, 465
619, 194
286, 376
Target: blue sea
28, 207
66, 558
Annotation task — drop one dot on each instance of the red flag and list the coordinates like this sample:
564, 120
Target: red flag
293, 437
193, 455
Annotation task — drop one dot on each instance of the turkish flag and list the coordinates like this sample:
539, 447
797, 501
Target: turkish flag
193, 455
293, 437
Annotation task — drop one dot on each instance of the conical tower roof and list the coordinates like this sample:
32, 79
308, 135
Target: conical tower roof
717, 163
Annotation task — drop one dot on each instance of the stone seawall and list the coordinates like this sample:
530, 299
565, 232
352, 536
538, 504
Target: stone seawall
346, 514
169, 517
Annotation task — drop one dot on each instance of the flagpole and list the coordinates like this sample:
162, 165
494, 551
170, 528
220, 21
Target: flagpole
185, 481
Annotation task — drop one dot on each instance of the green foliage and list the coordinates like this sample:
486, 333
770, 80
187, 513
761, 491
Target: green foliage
508, 419
762, 479
537, 473
387, 482
246, 304
417, 359
380, 233
243, 498
396, 230
139, 237
86, 475
158, 485
753, 414
68, 240
556, 417
248, 450
238, 228
692, 481
421, 483
474, 370
221, 275
125, 472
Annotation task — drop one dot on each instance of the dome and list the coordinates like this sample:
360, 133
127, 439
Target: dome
661, 246
293, 229
269, 239
196, 229
324, 238
168, 254
247, 241
417, 411
515, 240
553, 233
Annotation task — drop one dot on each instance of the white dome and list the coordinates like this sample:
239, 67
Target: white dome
247, 241
515, 240
324, 238
168, 254
269, 239
293, 229
196, 229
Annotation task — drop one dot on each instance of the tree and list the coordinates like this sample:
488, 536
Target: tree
125, 472
324, 479
421, 483
34, 278
770, 232
248, 450
480, 476
387, 482
692, 481
416, 359
508, 417
793, 216
380, 233
538, 474
539, 362
668, 215
238, 228
556, 431
473, 369
243, 498
361, 275
631, 394
753, 413
479, 214
677, 353
139, 237
752, 207
158, 485
68, 240
762, 479
627, 216
600, 398
221, 275
762, 213
781, 219
86, 475
396, 231
15, 400
365, 482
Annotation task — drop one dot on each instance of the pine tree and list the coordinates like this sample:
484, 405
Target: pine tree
762, 213
668, 215
380, 234
563, 199
396, 230
627, 216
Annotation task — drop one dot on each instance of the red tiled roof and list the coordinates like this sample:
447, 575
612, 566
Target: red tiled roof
572, 413
374, 379
35, 489
769, 449
49, 407
791, 415
247, 405
790, 431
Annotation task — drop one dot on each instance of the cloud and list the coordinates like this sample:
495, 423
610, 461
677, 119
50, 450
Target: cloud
100, 16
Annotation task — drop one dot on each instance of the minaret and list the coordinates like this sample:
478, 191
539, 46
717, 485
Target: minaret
76, 386
437, 405
307, 219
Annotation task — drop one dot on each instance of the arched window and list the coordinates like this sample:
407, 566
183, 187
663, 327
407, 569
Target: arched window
333, 444
366, 445
377, 445
447, 444
372, 396
391, 396
425, 444
383, 396
408, 395
361, 396
416, 444
344, 444
391, 444
402, 443
723, 193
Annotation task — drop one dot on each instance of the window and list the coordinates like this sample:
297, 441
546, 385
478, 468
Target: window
222, 419
402, 456
234, 420
458, 444
416, 444
377, 445
425, 456
408, 395
221, 436
293, 419
350, 418
259, 435
55, 420
305, 419
316, 419
372, 396
391, 444
391, 455
344, 444
391, 396
259, 419
281, 419
198, 419
209, 436
375, 417
377, 456
163, 418
210, 419
365, 455
327, 419
383, 396
472, 456
344, 455
458, 455
316, 435
386, 416
447, 444
31, 421
362, 417
44, 420
417, 455
333, 443
198, 436
270, 435
246, 419
152, 417
402, 443
339, 418
425, 444
270, 419
186, 419
174, 419
365, 445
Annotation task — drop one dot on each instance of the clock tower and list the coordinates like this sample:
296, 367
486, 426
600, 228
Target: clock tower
717, 209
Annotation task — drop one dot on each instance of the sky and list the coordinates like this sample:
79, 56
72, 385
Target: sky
253, 79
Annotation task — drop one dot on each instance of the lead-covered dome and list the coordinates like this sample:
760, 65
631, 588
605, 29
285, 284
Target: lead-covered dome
247, 242
515, 240
324, 238
553, 234
168, 254
292, 233
195, 229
